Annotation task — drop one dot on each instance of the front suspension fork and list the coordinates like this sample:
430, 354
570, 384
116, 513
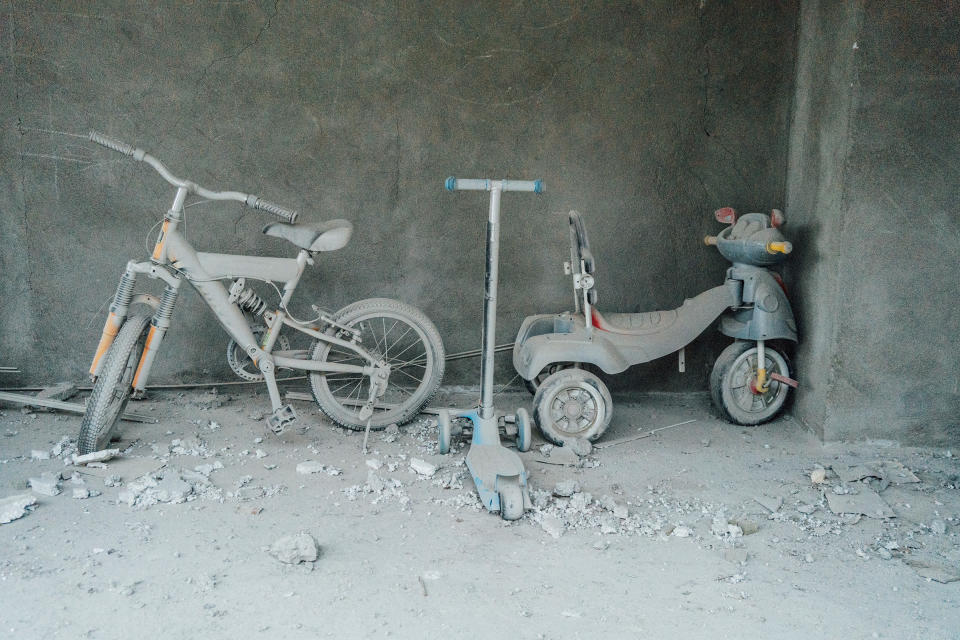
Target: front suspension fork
118, 314
158, 329
119, 309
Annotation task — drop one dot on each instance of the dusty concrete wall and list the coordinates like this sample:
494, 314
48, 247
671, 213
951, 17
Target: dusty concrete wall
644, 116
874, 169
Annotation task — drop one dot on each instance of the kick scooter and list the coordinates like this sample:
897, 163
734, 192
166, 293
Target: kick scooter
497, 472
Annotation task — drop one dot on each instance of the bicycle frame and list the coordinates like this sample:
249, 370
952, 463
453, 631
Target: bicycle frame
174, 259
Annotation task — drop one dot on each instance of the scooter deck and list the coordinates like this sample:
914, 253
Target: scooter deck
493, 467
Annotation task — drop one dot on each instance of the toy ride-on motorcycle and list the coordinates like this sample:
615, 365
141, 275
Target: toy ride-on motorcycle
750, 380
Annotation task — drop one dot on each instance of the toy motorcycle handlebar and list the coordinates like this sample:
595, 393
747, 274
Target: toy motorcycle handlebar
784, 247
138, 154
483, 184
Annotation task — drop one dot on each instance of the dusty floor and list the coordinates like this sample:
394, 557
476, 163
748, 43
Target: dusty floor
408, 556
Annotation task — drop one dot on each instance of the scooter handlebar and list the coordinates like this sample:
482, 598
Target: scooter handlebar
483, 184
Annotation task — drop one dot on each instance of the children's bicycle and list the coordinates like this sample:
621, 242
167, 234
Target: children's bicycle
373, 363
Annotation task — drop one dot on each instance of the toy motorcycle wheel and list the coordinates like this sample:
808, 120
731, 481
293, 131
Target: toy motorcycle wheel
534, 383
733, 384
572, 404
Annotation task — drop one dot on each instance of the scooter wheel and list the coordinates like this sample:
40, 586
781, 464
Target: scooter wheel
511, 500
572, 404
524, 431
443, 431
731, 388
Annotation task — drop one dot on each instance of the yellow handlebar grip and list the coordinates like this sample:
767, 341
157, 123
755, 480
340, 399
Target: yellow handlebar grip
779, 247
710, 241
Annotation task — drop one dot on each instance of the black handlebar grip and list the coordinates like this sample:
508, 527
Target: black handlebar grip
277, 210
110, 143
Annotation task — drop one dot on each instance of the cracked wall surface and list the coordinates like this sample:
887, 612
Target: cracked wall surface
643, 116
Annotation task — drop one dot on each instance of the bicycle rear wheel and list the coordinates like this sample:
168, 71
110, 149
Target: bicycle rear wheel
112, 390
400, 334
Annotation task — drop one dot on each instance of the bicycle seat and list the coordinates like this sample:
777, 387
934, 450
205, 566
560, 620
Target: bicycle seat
318, 236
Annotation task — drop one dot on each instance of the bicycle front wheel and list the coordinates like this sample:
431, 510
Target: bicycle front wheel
400, 334
112, 390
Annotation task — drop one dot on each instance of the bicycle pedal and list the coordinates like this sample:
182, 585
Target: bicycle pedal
281, 418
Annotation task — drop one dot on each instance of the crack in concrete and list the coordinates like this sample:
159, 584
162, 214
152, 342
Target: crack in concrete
252, 43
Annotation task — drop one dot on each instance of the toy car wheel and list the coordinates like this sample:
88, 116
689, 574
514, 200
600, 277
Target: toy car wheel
572, 404
524, 431
534, 383
733, 389
443, 431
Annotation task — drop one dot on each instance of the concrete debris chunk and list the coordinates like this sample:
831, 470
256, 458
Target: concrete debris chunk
682, 531
938, 527
374, 464
96, 456
552, 525
112, 481
295, 549
148, 491
581, 446
889, 470
48, 484
423, 467
14, 507
771, 504
936, 571
818, 476
564, 455
375, 482
391, 433
566, 488
310, 466
37, 454
747, 527
866, 502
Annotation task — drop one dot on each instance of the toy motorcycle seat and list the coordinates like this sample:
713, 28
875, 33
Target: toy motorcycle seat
634, 323
319, 236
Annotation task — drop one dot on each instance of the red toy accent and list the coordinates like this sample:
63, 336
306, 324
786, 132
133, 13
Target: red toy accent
726, 215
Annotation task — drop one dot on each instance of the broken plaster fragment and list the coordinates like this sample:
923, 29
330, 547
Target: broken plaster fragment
48, 484
295, 549
309, 466
96, 456
423, 467
566, 488
866, 502
14, 507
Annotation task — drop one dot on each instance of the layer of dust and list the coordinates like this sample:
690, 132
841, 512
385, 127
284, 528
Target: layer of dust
702, 530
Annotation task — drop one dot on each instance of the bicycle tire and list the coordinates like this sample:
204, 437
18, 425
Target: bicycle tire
344, 410
112, 390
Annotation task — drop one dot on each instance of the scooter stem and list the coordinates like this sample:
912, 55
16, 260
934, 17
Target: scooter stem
490, 303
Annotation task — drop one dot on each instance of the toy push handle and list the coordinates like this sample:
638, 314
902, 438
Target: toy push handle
482, 184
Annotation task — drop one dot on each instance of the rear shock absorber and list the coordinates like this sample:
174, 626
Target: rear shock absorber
246, 299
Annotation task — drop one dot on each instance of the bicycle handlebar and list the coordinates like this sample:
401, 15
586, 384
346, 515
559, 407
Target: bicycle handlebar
138, 154
482, 184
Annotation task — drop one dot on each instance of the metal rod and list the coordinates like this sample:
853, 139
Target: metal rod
73, 407
490, 303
